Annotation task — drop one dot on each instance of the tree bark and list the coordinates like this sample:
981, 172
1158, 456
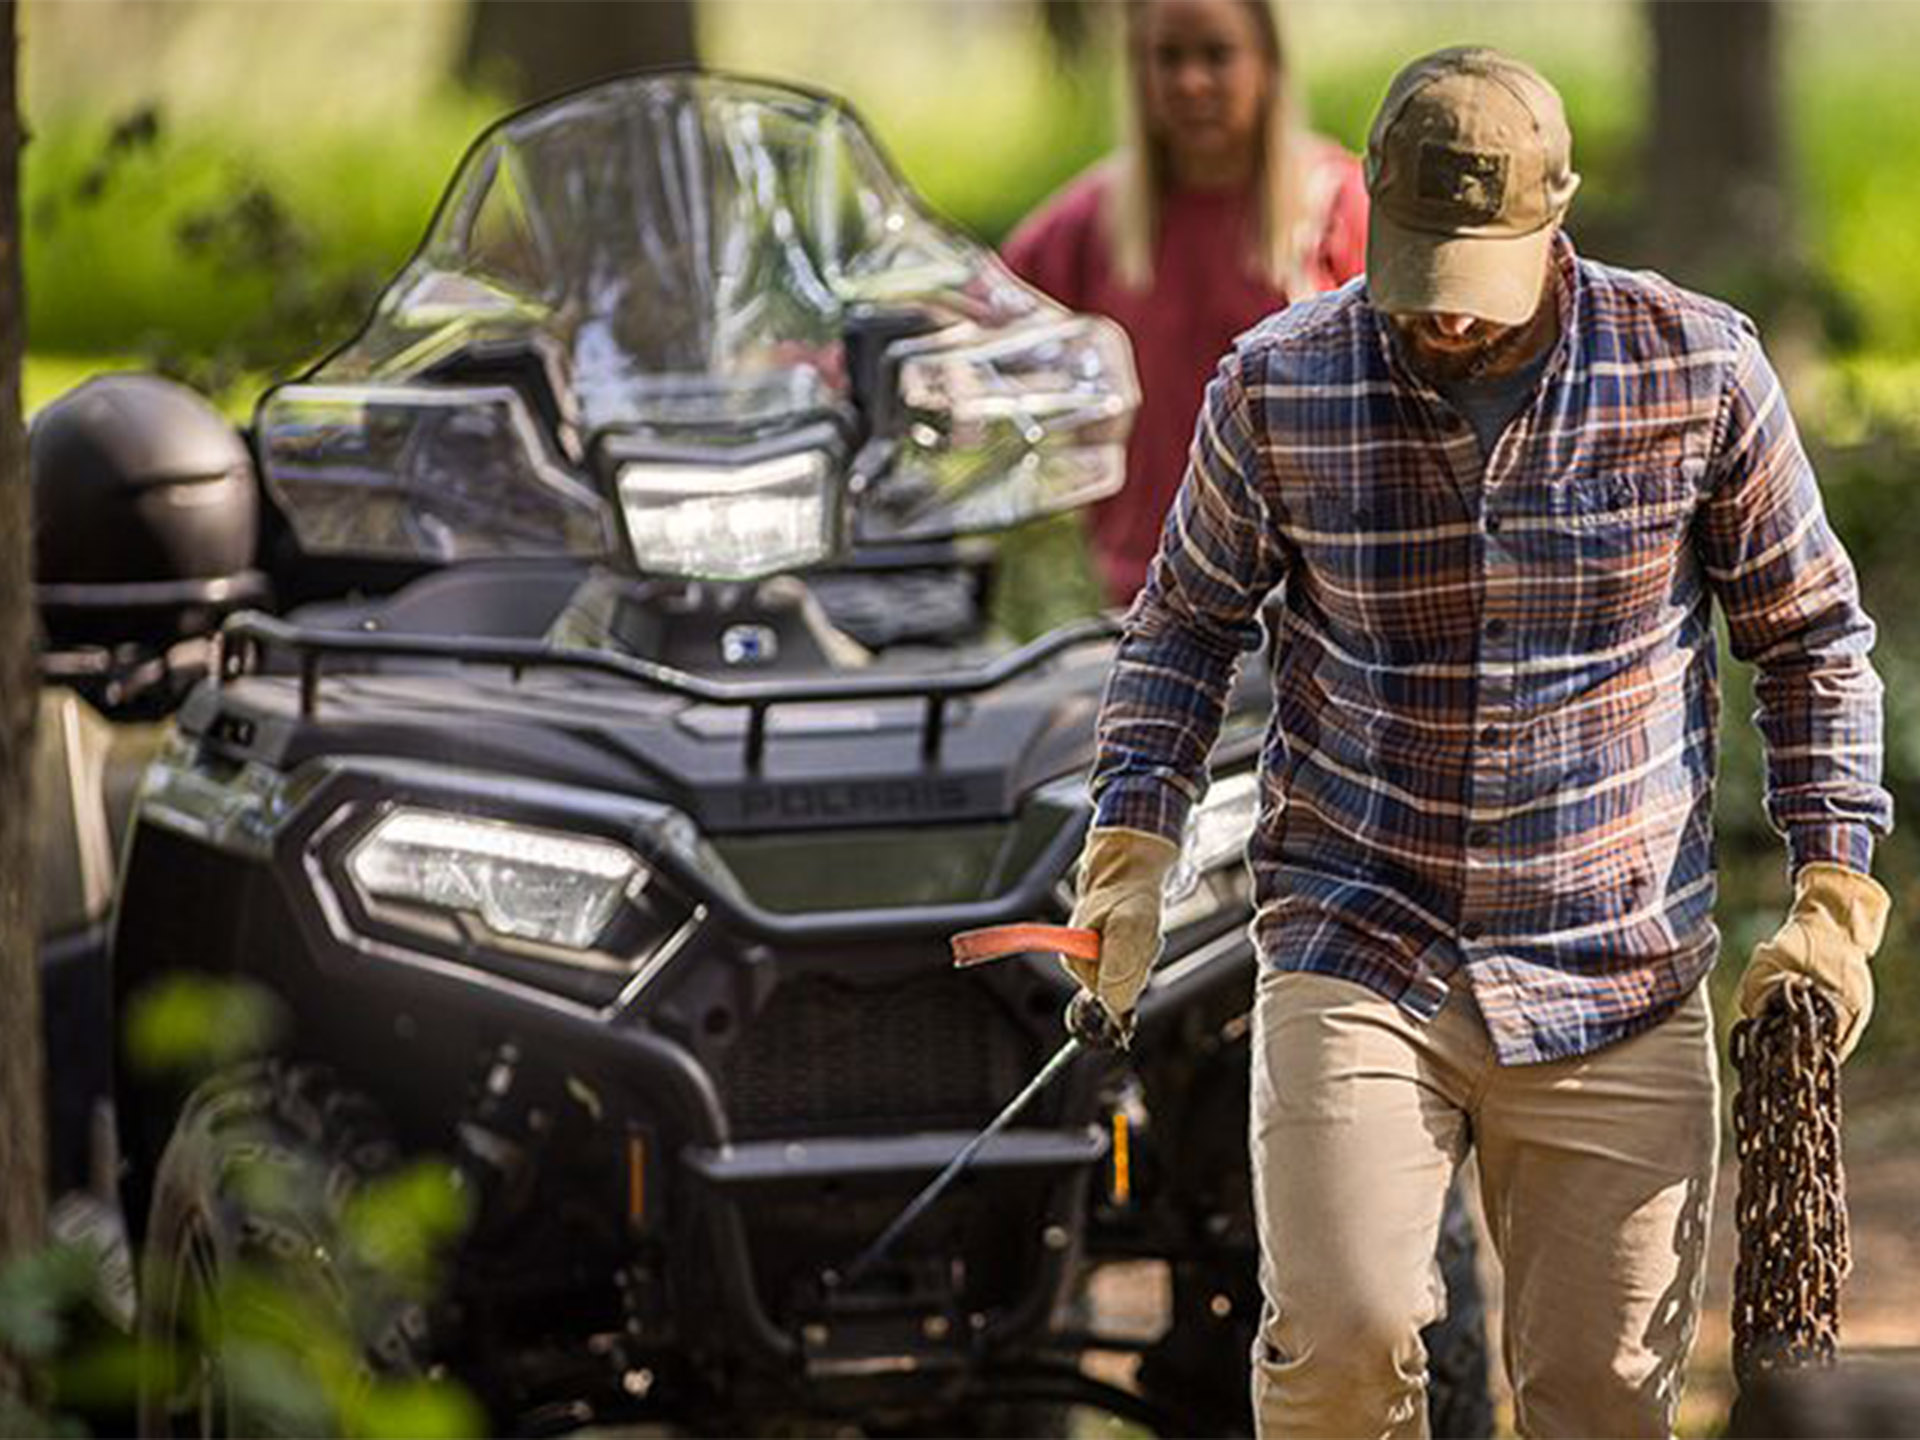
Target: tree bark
1718, 181
22, 1102
533, 49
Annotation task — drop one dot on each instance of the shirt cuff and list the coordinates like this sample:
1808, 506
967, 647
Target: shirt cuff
1140, 803
1843, 843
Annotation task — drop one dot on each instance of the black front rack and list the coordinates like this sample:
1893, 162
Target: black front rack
247, 638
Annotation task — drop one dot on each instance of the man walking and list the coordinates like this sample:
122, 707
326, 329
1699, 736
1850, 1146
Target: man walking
1499, 490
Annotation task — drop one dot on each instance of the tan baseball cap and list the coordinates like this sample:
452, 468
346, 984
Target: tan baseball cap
1469, 169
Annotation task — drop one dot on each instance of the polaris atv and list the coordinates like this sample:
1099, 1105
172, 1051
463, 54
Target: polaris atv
612, 857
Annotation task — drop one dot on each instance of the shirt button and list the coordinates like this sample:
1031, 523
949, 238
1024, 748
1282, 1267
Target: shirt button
1479, 835
1489, 734
1496, 628
1493, 524
1472, 930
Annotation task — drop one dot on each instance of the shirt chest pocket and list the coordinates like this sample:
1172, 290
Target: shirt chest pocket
1627, 502
1620, 538
1388, 558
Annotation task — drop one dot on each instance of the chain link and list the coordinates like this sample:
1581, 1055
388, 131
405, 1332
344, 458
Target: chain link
1791, 1211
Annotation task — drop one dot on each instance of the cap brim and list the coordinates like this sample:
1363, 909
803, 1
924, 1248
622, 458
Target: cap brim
1497, 278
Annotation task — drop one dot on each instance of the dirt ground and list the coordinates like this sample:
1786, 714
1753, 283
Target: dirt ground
1881, 1306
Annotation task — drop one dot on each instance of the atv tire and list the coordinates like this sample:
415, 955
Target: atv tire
252, 1188
1199, 1369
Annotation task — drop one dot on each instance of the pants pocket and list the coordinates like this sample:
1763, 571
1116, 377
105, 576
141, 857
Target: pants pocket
1307, 1049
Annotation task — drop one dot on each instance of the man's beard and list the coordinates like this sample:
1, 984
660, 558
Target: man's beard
1499, 352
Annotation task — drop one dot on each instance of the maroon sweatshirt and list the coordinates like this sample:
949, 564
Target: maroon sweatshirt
1204, 292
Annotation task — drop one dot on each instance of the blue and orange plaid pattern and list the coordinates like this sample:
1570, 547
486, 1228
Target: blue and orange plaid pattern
1495, 678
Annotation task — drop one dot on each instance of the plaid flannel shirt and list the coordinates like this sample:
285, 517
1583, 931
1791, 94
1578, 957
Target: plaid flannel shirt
1495, 678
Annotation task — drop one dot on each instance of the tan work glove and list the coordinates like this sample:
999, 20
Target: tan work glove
1122, 876
1835, 925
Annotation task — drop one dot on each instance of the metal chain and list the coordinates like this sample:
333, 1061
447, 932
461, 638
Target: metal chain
1791, 1211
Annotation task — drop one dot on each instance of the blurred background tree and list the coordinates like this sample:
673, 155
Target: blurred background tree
22, 1105
528, 49
1716, 149
22, 1163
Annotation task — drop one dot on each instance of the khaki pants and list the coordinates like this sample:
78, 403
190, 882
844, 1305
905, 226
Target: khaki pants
1596, 1175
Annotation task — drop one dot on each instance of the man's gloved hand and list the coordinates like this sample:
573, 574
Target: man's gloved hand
1122, 875
1835, 925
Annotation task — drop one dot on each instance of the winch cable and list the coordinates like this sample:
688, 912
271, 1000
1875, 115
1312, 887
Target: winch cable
1791, 1208
1088, 1027
939, 1185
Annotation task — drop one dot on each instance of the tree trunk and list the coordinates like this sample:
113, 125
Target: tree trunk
533, 49
22, 1103
1718, 181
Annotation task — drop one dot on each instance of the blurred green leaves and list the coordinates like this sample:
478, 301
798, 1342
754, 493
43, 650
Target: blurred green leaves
403, 1224
1045, 578
428, 1409
288, 1362
74, 1360
190, 1024
274, 1343
38, 1292
284, 1312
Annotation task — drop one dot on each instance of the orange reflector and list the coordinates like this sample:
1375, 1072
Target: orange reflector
636, 1180
1122, 1189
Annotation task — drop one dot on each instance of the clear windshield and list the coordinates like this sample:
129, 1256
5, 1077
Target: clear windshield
691, 245
677, 260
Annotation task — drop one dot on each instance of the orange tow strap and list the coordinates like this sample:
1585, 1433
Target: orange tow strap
977, 947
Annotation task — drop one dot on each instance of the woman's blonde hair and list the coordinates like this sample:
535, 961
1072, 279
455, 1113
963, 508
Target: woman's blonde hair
1282, 239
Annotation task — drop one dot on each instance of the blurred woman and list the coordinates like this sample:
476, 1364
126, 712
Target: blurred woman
1218, 209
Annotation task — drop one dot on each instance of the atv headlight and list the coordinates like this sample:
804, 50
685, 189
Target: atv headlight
423, 472
532, 884
1217, 831
1004, 427
720, 522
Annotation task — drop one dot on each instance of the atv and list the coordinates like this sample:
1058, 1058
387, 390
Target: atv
600, 805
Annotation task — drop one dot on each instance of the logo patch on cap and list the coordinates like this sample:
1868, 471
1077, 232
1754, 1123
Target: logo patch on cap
1471, 184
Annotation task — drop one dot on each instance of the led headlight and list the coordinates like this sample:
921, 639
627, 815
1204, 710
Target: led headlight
722, 522
423, 472
533, 884
1004, 427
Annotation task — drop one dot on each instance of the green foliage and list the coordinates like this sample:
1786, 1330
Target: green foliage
1856, 141
45, 378
285, 1332
191, 1025
96, 1373
221, 256
74, 1360
1045, 578
18, 1419
288, 1358
404, 1223
281, 1333
38, 1292
426, 1409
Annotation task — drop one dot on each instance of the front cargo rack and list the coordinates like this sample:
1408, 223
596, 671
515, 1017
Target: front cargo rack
247, 638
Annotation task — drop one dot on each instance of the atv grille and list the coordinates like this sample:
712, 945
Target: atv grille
825, 1056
